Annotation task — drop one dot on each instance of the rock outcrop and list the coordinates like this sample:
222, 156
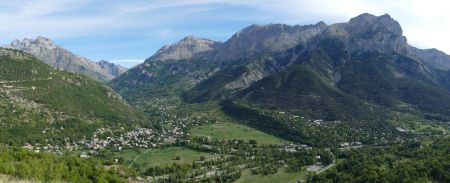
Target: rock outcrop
186, 48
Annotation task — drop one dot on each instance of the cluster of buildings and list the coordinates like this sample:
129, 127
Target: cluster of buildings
294, 147
139, 137
136, 138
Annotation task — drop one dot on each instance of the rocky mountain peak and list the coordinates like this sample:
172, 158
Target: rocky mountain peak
369, 21
40, 41
193, 39
186, 48
111, 68
44, 40
321, 24
371, 33
103, 62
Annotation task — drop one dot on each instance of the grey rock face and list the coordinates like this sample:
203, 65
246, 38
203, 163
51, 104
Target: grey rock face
186, 48
111, 68
367, 32
433, 57
266, 39
251, 41
60, 58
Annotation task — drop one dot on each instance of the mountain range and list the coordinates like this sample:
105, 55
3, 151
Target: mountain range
60, 58
346, 70
361, 69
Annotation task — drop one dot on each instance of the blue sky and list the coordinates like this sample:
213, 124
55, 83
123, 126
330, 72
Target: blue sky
128, 31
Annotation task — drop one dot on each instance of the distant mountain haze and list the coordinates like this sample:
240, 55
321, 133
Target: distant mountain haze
58, 57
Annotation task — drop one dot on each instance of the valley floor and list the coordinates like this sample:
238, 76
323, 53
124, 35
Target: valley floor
201, 143
229, 130
142, 159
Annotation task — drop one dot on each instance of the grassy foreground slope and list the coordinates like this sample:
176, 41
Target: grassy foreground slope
47, 167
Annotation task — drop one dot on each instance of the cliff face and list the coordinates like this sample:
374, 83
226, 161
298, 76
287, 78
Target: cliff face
60, 58
256, 40
367, 32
